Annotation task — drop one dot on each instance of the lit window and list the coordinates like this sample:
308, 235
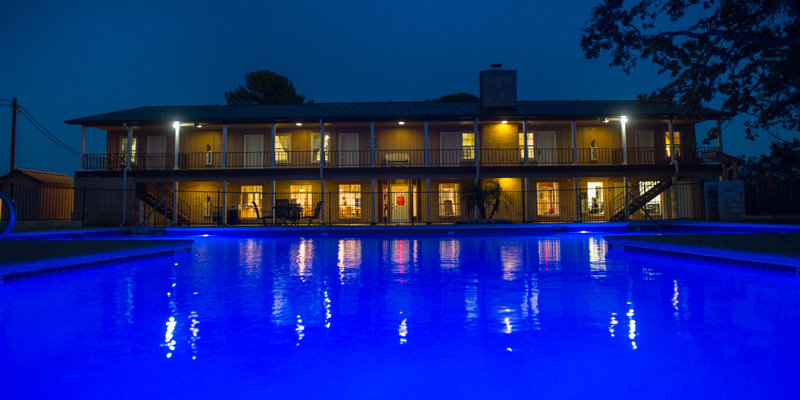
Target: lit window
468, 145
301, 194
124, 149
531, 152
316, 146
653, 206
349, 201
677, 143
594, 194
547, 198
251, 194
448, 200
282, 147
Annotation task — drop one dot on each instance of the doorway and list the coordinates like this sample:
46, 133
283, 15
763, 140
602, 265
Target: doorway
400, 202
156, 149
254, 151
348, 149
545, 145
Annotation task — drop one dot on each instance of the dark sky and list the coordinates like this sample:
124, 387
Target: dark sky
71, 59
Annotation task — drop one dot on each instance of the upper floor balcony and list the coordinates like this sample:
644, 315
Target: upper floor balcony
458, 157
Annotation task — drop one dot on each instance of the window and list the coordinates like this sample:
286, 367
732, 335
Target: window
468, 145
547, 198
315, 145
301, 194
250, 194
282, 146
349, 201
677, 143
594, 195
531, 151
448, 200
124, 149
652, 206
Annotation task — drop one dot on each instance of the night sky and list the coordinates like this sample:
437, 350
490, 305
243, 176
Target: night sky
72, 59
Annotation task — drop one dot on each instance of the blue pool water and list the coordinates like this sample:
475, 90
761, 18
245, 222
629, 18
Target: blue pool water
554, 316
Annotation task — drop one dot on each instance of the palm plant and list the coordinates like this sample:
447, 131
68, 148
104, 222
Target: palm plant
482, 197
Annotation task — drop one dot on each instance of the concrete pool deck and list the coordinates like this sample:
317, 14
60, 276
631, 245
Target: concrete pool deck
769, 250
23, 258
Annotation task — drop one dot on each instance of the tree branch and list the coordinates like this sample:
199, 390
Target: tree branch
768, 42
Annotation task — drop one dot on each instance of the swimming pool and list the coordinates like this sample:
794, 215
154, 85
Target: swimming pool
422, 316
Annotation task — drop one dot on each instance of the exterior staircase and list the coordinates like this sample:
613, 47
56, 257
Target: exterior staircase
635, 203
164, 208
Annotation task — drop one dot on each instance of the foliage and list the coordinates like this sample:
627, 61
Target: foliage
783, 162
265, 87
489, 197
744, 53
455, 98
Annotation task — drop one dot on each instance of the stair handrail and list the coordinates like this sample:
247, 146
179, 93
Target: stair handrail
162, 202
644, 210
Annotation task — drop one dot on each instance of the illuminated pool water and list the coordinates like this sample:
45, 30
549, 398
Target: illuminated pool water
428, 317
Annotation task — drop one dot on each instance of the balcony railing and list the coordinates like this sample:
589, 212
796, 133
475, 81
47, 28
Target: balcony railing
463, 157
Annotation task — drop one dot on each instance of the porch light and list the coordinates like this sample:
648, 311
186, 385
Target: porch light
198, 125
623, 119
605, 120
503, 122
327, 137
299, 124
402, 123
176, 124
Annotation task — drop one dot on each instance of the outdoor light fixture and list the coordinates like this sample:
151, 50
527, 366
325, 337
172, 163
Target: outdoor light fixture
299, 124
605, 121
176, 124
623, 119
327, 137
503, 122
198, 125
402, 123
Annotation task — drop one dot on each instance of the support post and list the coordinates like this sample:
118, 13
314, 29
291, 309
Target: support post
322, 209
574, 143
272, 197
13, 134
372, 149
224, 145
321, 166
525, 143
129, 147
272, 141
674, 163
671, 140
427, 201
374, 195
719, 135
577, 192
175, 203
526, 197
627, 201
83, 146
128, 153
224, 202
623, 121
177, 126
426, 143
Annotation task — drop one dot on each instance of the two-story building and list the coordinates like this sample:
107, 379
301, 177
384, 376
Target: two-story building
400, 162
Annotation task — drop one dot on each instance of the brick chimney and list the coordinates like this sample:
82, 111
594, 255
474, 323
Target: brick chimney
498, 88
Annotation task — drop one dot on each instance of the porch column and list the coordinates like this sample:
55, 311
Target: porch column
627, 200
177, 126
574, 143
372, 150
526, 196
428, 201
224, 145
577, 192
623, 120
272, 198
373, 203
83, 145
129, 150
174, 203
224, 202
674, 163
272, 143
322, 209
476, 150
321, 165
426, 143
525, 145
671, 141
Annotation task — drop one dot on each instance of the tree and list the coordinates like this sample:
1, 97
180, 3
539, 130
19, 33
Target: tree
455, 98
782, 162
490, 196
264, 87
743, 53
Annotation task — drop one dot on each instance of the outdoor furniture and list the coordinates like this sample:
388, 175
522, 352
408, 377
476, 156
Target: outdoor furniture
264, 218
397, 159
317, 210
283, 212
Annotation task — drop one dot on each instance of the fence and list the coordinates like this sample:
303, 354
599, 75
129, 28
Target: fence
544, 202
772, 196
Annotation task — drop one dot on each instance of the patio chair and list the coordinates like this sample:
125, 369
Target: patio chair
264, 218
317, 210
283, 212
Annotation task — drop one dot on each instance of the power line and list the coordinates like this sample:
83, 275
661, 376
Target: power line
47, 134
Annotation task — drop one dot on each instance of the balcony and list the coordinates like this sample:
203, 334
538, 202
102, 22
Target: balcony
394, 158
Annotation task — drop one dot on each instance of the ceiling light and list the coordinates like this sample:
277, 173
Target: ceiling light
605, 121
623, 119
402, 123
299, 124
176, 124
503, 122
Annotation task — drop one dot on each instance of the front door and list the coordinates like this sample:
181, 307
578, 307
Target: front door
400, 203
545, 145
156, 149
450, 145
348, 149
253, 151
645, 147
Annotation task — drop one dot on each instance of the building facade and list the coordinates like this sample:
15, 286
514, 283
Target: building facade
400, 162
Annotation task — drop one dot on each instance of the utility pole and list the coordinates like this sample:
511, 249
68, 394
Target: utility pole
13, 133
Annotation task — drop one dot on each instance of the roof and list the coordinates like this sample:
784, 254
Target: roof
45, 178
370, 111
